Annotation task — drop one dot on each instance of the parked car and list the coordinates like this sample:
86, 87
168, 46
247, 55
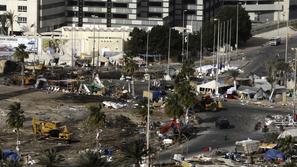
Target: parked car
223, 124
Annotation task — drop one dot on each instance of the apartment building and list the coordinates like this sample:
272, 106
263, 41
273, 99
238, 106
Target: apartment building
265, 10
35, 15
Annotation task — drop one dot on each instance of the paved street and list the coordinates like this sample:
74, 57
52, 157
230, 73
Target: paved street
243, 119
259, 57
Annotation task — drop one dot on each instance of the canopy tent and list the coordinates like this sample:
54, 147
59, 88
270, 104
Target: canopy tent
210, 86
116, 59
273, 154
103, 61
288, 132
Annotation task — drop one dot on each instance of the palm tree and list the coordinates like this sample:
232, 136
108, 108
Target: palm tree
3, 22
10, 17
134, 152
16, 117
173, 106
20, 55
234, 74
92, 159
286, 146
96, 117
50, 158
129, 68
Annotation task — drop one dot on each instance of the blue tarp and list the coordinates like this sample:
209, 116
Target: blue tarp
273, 154
8, 154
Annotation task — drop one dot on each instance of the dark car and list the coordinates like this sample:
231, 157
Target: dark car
223, 124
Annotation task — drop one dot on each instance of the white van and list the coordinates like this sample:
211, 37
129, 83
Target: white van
275, 41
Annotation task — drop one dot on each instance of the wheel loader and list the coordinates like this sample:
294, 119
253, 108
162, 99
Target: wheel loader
51, 130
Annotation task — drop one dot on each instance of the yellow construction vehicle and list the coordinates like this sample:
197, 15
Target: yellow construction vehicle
51, 130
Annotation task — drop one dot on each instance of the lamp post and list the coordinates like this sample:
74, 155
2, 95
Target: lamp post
201, 46
147, 48
217, 71
214, 46
237, 20
94, 40
294, 93
147, 77
168, 58
183, 40
230, 40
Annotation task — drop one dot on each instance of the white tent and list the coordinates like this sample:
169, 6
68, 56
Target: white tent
288, 132
116, 59
210, 86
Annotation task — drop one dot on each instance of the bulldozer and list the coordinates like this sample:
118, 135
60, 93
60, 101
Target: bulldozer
51, 130
207, 103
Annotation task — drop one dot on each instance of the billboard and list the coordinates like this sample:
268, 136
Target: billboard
8, 44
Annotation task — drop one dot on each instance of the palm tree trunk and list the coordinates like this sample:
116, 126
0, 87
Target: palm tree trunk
22, 73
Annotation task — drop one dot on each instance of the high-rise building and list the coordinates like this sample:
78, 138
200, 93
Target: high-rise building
47, 15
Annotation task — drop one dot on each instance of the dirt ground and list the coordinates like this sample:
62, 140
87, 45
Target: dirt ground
69, 110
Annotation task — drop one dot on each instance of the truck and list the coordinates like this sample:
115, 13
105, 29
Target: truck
51, 130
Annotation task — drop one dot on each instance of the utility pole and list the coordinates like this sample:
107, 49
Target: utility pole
223, 42
72, 43
294, 93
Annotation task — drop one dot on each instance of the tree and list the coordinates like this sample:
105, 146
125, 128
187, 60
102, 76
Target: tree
50, 158
10, 17
20, 55
137, 42
173, 106
234, 74
142, 109
92, 159
96, 117
129, 68
226, 13
286, 146
134, 152
158, 41
159, 38
10, 163
16, 117
244, 25
282, 68
3, 22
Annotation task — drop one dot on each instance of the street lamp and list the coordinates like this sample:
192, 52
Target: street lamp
214, 44
237, 28
94, 40
169, 38
217, 71
201, 46
294, 93
183, 40
147, 77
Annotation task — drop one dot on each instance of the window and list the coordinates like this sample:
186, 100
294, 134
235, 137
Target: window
2, 7
22, 19
22, 8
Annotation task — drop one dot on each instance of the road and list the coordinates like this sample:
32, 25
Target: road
260, 56
243, 118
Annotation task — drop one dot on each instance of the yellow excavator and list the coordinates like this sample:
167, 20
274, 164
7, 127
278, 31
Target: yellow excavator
51, 130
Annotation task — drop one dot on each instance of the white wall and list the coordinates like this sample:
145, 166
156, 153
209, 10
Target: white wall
31, 14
